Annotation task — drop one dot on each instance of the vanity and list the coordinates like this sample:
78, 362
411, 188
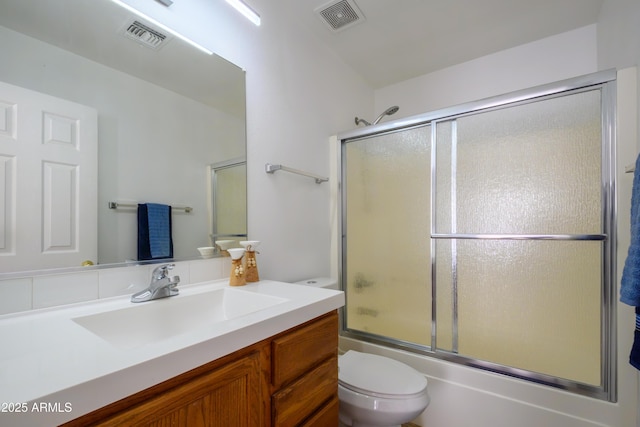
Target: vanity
264, 354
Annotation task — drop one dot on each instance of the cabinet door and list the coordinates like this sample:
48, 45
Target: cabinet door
226, 397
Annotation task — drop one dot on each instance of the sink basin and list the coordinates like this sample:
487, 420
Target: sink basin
161, 319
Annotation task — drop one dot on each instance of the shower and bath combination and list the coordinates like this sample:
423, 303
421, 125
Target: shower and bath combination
436, 290
389, 111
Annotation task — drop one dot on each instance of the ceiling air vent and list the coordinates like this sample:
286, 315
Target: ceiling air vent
339, 15
144, 35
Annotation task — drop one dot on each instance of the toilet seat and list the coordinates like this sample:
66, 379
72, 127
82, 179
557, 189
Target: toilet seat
374, 375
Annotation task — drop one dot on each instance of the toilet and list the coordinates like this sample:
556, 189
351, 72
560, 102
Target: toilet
376, 391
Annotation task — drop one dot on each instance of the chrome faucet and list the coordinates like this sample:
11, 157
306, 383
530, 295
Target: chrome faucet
161, 285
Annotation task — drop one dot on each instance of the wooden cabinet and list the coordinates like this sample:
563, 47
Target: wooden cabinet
290, 379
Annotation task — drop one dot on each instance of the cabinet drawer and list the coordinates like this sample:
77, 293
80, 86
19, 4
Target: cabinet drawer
298, 351
328, 415
301, 399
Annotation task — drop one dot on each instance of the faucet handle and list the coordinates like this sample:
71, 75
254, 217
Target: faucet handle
162, 271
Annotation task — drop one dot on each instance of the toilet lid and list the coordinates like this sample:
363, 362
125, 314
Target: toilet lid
377, 374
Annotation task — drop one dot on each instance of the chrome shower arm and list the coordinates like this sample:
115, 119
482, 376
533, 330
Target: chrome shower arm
359, 120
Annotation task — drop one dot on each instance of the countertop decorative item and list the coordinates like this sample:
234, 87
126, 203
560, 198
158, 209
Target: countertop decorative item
224, 245
207, 251
251, 269
237, 276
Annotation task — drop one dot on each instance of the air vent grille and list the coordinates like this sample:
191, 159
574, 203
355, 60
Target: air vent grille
341, 14
144, 35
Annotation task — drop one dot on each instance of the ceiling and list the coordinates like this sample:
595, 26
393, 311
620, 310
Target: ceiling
401, 39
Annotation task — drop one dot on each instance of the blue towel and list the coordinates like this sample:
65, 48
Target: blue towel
634, 357
154, 231
630, 283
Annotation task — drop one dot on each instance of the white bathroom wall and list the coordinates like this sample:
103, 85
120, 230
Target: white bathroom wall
548, 60
619, 37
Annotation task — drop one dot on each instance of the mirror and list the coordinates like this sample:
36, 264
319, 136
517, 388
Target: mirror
165, 111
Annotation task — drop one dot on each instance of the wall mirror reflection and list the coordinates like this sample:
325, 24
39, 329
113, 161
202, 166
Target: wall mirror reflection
229, 203
76, 77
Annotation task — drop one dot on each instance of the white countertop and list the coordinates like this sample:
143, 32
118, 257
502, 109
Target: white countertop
53, 370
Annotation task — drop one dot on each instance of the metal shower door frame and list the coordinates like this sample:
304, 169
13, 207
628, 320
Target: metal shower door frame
604, 81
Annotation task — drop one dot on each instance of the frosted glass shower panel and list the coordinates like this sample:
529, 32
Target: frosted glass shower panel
444, 194
527, 169
446, 296
532, 305
230, 200
388, 235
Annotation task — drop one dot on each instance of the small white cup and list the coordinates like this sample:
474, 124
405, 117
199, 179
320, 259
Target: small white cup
207, 251
236, 253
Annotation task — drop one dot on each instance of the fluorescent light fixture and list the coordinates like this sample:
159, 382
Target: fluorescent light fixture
249, 13
164, 27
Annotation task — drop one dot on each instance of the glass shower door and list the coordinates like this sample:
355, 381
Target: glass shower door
484, 237
520, 236
386, 202
229, 200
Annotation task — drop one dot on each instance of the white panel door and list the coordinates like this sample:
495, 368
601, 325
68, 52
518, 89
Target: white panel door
48, 181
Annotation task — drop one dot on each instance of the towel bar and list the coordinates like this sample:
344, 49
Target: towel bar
269, 168
116, 205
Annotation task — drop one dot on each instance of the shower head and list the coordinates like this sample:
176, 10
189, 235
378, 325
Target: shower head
358, 121
389, 111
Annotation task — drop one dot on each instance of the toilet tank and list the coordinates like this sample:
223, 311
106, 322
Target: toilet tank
320, 282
